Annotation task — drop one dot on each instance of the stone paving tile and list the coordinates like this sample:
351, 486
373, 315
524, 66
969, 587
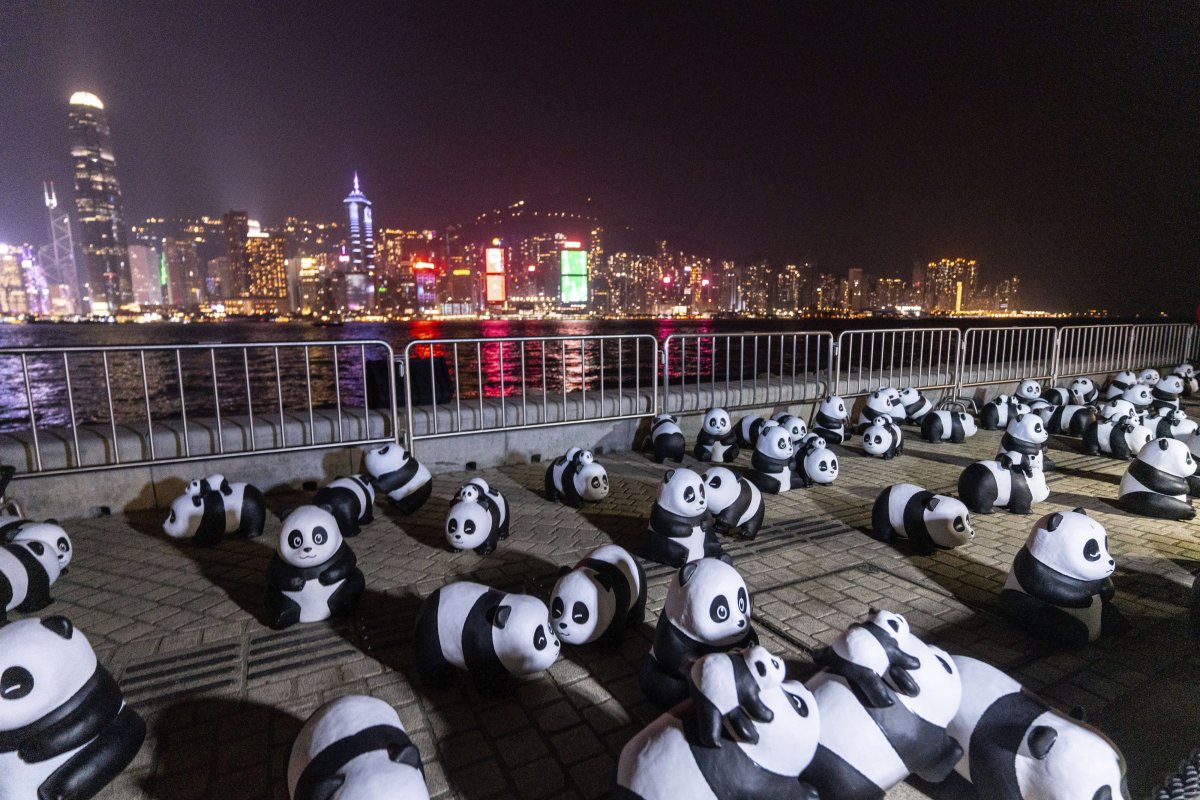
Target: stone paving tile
224, 696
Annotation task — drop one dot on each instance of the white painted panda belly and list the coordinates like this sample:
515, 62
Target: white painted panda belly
313, 600
1089, 617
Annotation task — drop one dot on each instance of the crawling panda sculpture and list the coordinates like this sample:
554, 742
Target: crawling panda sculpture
707, 610
816, 465
1060, 586
680, 528
575, 477
996, 413
599, 599
928, 521
1084, 391
212, 507
1016, 747
1149, 377
396, 473
1193, 445
916, 405
831, 421
1121, 437
1012, 482
735, 502
65, 729
1058, 396
1156, 482
882, 438
1170, 423
953, 426
491, 635
717, 441
351, 500
355, 748
749, 427
666, 437
1166, 393
1120, 382
314, 574
883, 401
771, 468
477, 519
27, 571
1070, 419
49, 533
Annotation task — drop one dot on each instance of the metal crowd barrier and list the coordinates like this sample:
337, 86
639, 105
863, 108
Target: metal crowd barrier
1006, 355
742, 370
1161, 344
924, 358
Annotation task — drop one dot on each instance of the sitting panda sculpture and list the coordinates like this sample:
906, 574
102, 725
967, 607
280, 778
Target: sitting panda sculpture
599, 599
680, 527
1166, 393
49, 533
1016, 747
666, 437
883, 401
1084, 391
735, 502
717, 441
1025, 436
953, 426
1118, 383
707, 610
831, 421
27, 571
795, 427
996, 413
314, 574
1156, 482
882, 438
65, 729
816, 464
395, 472
771, 465
1060, 587
916, 405
351, 500
478, 518
928, 521
1169, 423
491, 635
1140, 396
1012, 482
576, 477
211, 507
355, 747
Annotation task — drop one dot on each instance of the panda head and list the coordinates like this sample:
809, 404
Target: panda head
43, 663
522, 635
938, 680
1170, 456
309, 536
380, 461
821, 465
708, 601
883, 399
767, 669
469, 492
1029, 390
591, 478
795, 427
1058, 752
1170, 385
834, 407
665, 421
895, 625
1119, 407
1083, 391
721, 487
1149, 377
187, 511
582, 605
948, 521
1185, 370
50, 535
1138, 395
468, 523
774, 442
1028, 428
716, 422
682, 492
908, 396
197, 487
1072, 543
877, 438
811, 441
968, 423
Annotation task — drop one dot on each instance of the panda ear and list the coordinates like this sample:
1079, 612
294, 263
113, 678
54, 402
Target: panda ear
51, 521
563, 570
326, 507
932, 503
498, 616
1078, 713
686, 572
667, 477
1078, 511
1041, 739
60, 625
408, 754
283, 513
1162, 444
1055, 520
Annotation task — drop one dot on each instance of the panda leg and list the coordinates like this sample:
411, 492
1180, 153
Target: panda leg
551, 492
489, 544
254, 514
750, 527
92, 768
637, 612
432, 667
344, 600
708, 721
949, 752
881, 521
282, 611
712, 547
661, 688
1051, 626
413, 503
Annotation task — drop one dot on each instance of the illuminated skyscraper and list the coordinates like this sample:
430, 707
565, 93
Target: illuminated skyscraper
58, 258
145, 265
266, 265
362, 235
237, 228
107, 285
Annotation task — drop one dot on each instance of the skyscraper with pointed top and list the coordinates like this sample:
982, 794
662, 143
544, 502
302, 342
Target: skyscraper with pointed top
362, 236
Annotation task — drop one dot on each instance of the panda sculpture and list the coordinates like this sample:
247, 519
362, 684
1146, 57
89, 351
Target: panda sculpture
351, 500
666, 437
1187, 374
865, 749
795, 427
681, 527
1012, 482
1028, 391
726, 691
749, 427
1166, 393
49, 533
1060, 586
212, 507
314, 574
1058, 396
771, 467
1156, 482
717, 441
1140, 396
883, 401
491, 635
65, 729
355, 748
1025, 436
1193, 444
882, 438
997, 412
928, 521
478, 518
1084, 392
396, 473
1149, 377
735, 502
1117, 408
1070, 419
831, 421
1118, 383
1120, 437
953, 426
867, 653
599, 599
575, 477
27, 571
1171, 423
816, 465
1017, 747
707, 610
916, 405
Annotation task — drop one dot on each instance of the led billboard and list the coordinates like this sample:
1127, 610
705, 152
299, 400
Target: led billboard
574, 276
493, 262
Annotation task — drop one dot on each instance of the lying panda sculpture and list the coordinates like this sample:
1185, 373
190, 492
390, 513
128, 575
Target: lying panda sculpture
928, 521
735, 502
1156, 482
1169, 423
680, 527
314, 574
996, 413
667, 439
395, 472
882, 438
717, 441
599, 599
210, 508
954, 426
351, 500
831, 421
478, 518
575, 477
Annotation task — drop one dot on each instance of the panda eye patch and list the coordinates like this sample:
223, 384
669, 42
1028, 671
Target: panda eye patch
762, 669
319, 535
579, 613
689, 495
798, 704
1091, 550
15, 683
539, 638
595, 483
743, 601
452, 525
469, 527
715, 481
719, 610
959, 524
295, 540
557, 608
945, 665
65, 546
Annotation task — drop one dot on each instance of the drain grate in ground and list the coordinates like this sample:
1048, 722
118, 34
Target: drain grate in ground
299, 648
165, 678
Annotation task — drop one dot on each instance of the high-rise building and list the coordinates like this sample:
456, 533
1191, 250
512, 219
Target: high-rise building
145, 268
107, 284
362, 234
12, 291
949, 285
185, 279
237, 229
266, 266
58, 258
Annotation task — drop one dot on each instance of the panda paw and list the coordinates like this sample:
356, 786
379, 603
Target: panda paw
742, 726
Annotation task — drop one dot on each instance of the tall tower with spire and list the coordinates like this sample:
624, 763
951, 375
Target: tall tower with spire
362, 235
58, 259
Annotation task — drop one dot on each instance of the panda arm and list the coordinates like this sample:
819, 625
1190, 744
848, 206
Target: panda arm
99, 761
283, 577
707, 718
342, 564
949, 752
668, 524
78, 721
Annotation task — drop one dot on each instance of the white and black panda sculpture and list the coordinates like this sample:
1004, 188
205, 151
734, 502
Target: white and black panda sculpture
928, 521
1025, 436
707, 610
355, 748
1028, 390
882, 438
1170, 423
1016, 747
1060, 586
681, 528
816, 465
1013, 483
1070, 419
916, 405
395, 472
1058, 396
771, 464
492, 635
735, 502
1118, 383
1120, 437
1140, 396
477, 519
726, 691
1149, 377
212, 507
831, 420
717, 441
869, 653
795, 427
27, 571
314, 574
65, 729
883, 401
1187, 374
952, 426
1193, 445
576, 477
49, 533
1084, 391
666, 437
598, 600
1166, 393
351, 500
997, 412
748, 428
1156, 482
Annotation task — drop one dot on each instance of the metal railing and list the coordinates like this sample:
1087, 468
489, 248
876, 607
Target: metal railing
1092, 349
123, 406
924, 358
741, 370
1006, 355
1161, 344
468, 386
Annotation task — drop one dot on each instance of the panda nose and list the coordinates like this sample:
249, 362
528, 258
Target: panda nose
562, 625
308, 549
1112, 563
741, 623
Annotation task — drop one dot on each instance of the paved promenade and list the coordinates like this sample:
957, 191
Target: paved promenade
224, 695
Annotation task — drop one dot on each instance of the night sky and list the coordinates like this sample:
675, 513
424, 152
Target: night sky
1055, 141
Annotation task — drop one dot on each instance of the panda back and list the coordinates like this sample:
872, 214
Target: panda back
983, 685
641, 767
620, 558
13, 571
457, 604
856, 738
898, 499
